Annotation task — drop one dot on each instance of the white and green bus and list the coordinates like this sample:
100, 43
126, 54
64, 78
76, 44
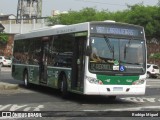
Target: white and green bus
60, 57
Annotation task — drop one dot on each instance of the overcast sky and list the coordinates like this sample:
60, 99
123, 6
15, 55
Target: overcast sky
10, 6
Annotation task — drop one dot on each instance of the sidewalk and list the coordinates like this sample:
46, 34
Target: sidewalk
8, 86
4, 83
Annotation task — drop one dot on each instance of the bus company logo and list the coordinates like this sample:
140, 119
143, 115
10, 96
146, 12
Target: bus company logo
118, 81
6, 114
108, 80
20, 114
128, 80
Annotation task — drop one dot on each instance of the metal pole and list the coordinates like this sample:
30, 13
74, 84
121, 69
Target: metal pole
10, 28
0, 67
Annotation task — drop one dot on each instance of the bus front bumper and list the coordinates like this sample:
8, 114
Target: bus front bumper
95, 89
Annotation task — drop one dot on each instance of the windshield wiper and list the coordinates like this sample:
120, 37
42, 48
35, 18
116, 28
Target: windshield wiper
127, 45
111, 48
109, 44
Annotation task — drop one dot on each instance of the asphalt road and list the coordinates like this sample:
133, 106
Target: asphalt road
40, 99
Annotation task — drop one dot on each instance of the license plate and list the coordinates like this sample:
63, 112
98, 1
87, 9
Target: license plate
118, 89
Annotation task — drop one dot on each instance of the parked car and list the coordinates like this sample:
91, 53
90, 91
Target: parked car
5, 61
152, 71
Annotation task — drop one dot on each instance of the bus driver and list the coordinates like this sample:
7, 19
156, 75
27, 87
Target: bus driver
95, 55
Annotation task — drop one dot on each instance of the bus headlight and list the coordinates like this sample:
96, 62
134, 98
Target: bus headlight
93, 80
139, 82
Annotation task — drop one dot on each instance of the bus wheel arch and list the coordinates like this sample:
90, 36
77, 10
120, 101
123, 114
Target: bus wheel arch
62, 84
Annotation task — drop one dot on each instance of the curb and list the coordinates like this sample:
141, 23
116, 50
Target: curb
7, 86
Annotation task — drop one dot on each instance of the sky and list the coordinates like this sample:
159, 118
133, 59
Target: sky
10, 6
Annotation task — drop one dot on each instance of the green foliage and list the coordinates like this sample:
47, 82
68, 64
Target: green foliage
138, 14
155, 56
84, 15
53, 20
3, 38
148, 17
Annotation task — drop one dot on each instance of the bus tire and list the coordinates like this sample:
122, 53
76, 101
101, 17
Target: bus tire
63, 87
25, 79
1, 64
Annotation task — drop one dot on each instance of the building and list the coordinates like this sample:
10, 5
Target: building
9, 26
4, 18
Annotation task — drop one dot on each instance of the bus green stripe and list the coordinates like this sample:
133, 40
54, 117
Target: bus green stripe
117, 80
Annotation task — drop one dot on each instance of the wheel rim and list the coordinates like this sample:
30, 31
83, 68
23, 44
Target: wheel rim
25, 80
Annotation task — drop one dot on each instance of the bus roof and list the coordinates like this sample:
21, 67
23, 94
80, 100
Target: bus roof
62, 29
53, 30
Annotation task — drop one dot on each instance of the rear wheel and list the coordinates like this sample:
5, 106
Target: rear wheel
63, 87
25, 79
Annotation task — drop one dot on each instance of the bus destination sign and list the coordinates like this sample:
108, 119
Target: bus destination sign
117, 30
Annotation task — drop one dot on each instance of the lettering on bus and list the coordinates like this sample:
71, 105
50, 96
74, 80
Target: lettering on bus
101, 66
119, 31
67, 30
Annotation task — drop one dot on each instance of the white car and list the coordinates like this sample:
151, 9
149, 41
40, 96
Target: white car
5, 61
152, 71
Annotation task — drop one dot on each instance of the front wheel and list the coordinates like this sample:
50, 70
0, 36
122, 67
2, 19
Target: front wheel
112, 97
1, 64
148, 75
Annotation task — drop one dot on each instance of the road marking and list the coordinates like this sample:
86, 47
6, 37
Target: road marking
15, 107
141, 99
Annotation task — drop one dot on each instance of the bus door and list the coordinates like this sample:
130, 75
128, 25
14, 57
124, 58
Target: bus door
43, 60
78, 63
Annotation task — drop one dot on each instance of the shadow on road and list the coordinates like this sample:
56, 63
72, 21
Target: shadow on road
78, 98
81, 99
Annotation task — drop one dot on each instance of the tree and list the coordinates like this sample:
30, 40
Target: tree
155, 56
158, 4
53, 20
146, 16
84, 15
3, 38
138, 14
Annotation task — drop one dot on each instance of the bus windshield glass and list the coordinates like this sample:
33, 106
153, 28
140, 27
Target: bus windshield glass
117, 55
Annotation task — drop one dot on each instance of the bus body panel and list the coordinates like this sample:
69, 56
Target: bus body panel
17, 71
54, 73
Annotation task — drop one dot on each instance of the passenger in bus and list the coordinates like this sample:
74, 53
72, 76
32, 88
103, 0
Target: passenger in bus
95, 56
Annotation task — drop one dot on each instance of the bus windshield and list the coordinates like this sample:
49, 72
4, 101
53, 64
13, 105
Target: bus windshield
117, 55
